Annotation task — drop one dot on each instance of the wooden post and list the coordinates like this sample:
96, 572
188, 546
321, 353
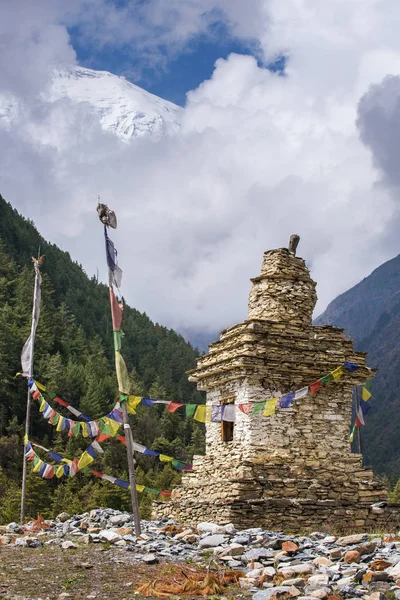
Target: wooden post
358, 428
131, 466
29, 394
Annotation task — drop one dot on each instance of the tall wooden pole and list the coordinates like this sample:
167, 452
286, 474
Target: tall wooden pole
29, 394
358, 428
104, 215
131, 467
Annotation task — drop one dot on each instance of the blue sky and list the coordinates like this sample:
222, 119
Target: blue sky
170, 77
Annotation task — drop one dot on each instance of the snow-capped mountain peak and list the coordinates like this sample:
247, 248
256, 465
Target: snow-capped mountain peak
123, 107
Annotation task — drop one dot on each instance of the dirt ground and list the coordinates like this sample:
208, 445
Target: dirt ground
97, 572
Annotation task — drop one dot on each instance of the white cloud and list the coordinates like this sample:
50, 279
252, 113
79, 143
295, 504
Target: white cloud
259, 156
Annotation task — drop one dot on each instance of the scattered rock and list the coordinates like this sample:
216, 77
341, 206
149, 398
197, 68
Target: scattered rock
352, 556
62, 517
150, 559
211, 541
290, 547
350, 540
67, 545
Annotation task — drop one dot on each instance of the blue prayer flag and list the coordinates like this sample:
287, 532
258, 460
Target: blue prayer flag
350, 366
286, 400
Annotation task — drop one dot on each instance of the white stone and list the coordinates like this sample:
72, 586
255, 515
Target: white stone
211, 541
210, 528
109, 536
67, 545
318, 580
293, 570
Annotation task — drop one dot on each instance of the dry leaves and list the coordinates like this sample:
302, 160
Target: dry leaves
206, 583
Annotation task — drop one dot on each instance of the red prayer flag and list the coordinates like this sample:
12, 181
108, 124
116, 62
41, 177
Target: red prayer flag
71, 424
61, 401
97, 473
172, 406
122, 440
246, 408
165, 494
36, 395
102, 437
116, 311
315, 387
49, 473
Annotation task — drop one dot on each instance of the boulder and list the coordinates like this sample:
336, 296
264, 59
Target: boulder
211, 541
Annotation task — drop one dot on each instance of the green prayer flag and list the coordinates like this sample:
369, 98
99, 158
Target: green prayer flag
152, 491
325, 379
190, 409
51, 395
117, 340
76, 428
257, 407
123, 397
368, 384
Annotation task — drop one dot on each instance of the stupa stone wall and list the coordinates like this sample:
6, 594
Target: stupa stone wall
293, 470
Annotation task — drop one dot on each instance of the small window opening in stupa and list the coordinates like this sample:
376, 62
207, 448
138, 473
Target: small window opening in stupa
227, 427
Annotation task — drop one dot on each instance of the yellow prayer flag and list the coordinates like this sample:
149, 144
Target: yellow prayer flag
42, 404
60, 423
84, 430
132, 403
337, 374
140, 488
122, 374
164, 458
351, 438
365, 394
40, 386
59, 471
203, 413
85, 460
26, 440
37, 468
113, 425
270, 407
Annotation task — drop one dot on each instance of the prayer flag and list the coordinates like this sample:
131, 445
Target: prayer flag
179, 465
97, 473
165, 458
337, 374
61, 425
152, 491
42, 469
173, 406
216, 413
138, 448
365, 408
229, 413
351, 438
36, 395
73, 410
165, 494
270, 407
91, 451
365, 394
85, 460
42, 405
55, 456
60, 471
49, 472
96, 446
148, 452
140, 488
26, 354
258, 407
121, 483
350, 366
325, 379
147, 402
190, 409
40, 386
47, 411
109, 478
301, 393
286, 400
245, 408
122, 374
132, 402
110, 427
116, 311
359, 418
203, 413
61, 402
117, 335
315, 387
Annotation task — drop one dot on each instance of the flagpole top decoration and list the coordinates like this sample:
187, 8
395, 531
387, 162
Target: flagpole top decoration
106, 216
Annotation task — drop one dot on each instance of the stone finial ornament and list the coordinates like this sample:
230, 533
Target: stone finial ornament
293, 243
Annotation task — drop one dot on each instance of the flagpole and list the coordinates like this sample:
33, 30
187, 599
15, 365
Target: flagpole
35, 317
108, 218
358, 428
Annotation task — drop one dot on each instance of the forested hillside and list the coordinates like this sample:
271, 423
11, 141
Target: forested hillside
74, 357
370, 313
